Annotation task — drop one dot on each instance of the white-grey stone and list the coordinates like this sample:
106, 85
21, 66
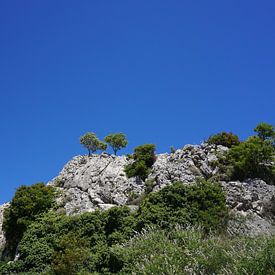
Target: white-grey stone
99, 182
2, 237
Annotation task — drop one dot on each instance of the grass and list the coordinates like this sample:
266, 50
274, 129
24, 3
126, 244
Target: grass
188, 251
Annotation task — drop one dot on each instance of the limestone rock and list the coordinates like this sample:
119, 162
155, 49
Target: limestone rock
99, 182
2, 237
90, 182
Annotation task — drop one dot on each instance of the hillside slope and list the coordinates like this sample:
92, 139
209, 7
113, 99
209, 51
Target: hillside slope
99, 182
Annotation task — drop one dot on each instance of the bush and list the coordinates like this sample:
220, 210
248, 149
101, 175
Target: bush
61, 243
144, 157
225, 139
27, 204
72, 255
265, 131
137, 169
252, 159
200, 203
145, 153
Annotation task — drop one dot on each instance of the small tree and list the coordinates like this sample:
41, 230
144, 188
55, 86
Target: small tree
144, 156
252, 159
225, 139
92, 143
116, 141
27, 203
265, 131
145, 153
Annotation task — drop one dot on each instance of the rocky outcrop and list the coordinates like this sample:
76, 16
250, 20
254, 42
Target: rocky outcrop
186, 164
253, 207
2, 237
96, 182
99, 181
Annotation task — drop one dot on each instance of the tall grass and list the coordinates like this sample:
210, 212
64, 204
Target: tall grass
189, 251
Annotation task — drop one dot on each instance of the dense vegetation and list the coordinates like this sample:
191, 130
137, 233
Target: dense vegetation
251, 158
27, 204
52, 242
225, 139
181, 229
144, 157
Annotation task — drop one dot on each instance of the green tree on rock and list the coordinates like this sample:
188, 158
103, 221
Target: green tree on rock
224, 139
252, 159
116, 141
91, 142
265, 131
144, 156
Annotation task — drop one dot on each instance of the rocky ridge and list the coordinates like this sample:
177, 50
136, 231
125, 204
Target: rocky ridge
99, 182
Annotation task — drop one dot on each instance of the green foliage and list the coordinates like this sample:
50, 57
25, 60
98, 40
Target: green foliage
27, 203
189, 251
137, 168
71, 256
116, 141
144, 157
200, 203
91, 142
145, 153
67, 245
252, 159
224, 138
265, 131
61, 244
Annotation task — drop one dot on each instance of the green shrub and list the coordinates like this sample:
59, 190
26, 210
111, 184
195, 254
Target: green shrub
224, 138
265, 131
144, 157
145, 153
27, 203
252, 159
59, 243
200, 203
137, 169
72, 255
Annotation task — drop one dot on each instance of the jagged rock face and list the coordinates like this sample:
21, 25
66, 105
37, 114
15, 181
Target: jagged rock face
99, 181
186, 164
96, 182
2, 237
253, 207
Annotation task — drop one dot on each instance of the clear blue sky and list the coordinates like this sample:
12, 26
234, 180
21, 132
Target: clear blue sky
163, 72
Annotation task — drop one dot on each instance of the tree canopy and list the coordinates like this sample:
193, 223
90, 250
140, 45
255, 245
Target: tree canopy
117, 141
91, 142
265, 131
